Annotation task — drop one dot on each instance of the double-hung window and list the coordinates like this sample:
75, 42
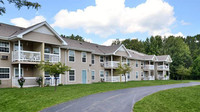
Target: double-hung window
4, 73
72, 75
136, 75
101, 59
84, 56
101, 73
136, 63
93, 74
4, 47
92, 58
55, 50
71, 55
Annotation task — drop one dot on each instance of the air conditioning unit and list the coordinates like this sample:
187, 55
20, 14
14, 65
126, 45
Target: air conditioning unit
3, 57
102, 64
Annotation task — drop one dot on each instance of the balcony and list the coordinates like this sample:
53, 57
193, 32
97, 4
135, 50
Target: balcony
51, 57
26, 56
163, 67
148, 67
111, 64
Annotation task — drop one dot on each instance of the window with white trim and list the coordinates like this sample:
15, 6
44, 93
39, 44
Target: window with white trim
16, 46
84, 56
93, 74
55, 50
101, 59
128, 62
136, 63
16, 72
71, 55
92, 58
72, 75
4, 73
136, 75
101, 73
128, 75
47, 49
4, 46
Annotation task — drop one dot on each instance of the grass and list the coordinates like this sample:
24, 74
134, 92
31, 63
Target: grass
36, 99
185, 99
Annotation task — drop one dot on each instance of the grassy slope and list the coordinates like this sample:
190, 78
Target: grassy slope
185, 99
35, 99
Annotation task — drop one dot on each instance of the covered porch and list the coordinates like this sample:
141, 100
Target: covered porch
149, 75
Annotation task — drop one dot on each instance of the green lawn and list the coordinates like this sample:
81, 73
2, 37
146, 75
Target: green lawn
36, 99
185, 99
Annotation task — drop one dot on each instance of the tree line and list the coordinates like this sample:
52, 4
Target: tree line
185, 53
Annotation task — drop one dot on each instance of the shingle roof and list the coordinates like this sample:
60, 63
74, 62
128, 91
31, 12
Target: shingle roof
95, 48
9, 30
162, 57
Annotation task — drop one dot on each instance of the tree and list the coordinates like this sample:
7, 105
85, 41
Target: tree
196, 68
53, 69
18, 4
77, 37
116, 42
123, 69
183, 72
154, 45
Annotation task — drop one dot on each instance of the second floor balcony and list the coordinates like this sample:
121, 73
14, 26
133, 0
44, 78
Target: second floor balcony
51, 57
112, 64
148, 67
162, 67
26, 56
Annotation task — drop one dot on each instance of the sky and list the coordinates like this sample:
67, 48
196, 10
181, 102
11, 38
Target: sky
102, 21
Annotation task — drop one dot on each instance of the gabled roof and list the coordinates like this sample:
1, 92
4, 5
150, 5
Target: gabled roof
165, 58
11, 32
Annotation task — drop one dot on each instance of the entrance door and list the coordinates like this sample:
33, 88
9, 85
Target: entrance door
84, 76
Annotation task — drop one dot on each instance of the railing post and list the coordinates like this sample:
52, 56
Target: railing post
19, 50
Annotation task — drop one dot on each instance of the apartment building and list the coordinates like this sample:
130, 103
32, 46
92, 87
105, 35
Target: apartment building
22, 49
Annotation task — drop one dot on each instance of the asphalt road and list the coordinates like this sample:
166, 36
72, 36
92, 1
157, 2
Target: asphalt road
113, 101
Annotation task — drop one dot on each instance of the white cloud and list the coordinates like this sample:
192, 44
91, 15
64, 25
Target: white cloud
110, 16
88, 40
184, 23
26, 23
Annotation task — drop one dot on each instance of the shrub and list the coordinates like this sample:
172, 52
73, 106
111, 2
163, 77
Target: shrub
60, 84
21, 82
39, 81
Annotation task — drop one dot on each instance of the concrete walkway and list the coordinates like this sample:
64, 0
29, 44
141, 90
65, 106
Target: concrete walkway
113, 101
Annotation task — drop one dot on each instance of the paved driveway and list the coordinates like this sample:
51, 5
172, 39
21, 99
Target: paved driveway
113, 101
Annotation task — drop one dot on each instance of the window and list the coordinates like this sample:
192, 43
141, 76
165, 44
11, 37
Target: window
16, 46
84, 56
46, 74
136, 63
4, 47
128, 62
72, 75
16, 72
101, 73
93, 58
47, 50
136, 75
128, 74
71, 55
4, 73
101, 59
93, 75
55, 50
142, 74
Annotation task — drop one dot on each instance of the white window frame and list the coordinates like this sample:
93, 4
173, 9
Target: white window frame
9, 74
82, 53
74, 76
129, 75
92, 75
48, 47
22, 71
92, 59
74, 56
100, 73
56, 48
136, 64
100, 59
8, 47
136, 75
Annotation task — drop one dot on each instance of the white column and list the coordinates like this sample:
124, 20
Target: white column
19, 68
112, 69
19, 50
59, 54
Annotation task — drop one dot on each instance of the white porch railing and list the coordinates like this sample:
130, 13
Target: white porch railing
27, 56
149, 77
29, 82
51, 81
115, 78
111, 64
51, 57
163, 67
148, 67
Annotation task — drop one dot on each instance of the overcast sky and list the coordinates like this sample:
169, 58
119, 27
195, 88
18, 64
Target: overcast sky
101, 21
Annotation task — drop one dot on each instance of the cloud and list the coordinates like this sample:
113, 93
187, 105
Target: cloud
88, 40
171, 34
108, 17
184, 23
26, 23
